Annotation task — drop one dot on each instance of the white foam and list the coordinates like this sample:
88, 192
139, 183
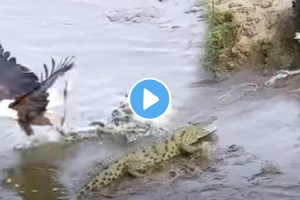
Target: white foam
5, 111
56, 106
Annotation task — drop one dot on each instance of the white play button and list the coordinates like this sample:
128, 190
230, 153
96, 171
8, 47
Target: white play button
149, 99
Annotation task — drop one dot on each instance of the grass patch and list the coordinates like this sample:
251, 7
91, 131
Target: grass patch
221, 37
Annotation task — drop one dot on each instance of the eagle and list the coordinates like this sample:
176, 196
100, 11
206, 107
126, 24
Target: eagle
25, 93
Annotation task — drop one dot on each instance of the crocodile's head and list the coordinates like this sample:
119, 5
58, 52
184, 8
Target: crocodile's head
197, 130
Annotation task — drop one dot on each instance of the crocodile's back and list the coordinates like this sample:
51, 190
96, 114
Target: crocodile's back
155, 151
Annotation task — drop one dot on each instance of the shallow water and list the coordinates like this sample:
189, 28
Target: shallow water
116, 43
265, 127
119, 42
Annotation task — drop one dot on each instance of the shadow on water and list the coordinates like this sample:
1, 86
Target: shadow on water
35, 175
46, 171
34, 181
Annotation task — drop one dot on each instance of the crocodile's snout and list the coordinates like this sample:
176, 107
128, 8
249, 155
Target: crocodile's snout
210, 128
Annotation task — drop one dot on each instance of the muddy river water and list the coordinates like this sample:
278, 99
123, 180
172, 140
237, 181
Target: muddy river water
118, 42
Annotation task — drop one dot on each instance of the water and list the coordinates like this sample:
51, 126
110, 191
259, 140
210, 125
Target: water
117, 43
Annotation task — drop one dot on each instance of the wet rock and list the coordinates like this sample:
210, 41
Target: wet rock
233, 148
138, 15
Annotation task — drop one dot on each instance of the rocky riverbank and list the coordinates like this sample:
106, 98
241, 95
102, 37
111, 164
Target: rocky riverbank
252, 34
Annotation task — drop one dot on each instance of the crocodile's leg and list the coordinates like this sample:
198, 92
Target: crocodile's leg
204, 147
189, 148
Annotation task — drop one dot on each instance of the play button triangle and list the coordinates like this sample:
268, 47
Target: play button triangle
149, 99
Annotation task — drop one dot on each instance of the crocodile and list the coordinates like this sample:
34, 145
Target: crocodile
122, 123
141, 157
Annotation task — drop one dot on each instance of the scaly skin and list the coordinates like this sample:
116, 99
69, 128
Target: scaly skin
122, 124
143, 156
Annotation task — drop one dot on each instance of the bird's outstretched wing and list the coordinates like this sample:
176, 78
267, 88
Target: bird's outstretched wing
15, 78
46, 82
37, 98
32, 105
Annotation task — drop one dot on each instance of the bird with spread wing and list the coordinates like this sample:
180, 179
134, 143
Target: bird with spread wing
28, 94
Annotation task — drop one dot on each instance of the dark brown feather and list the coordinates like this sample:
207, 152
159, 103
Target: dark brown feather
30, 94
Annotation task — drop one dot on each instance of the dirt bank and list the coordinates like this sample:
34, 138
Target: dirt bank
263, 32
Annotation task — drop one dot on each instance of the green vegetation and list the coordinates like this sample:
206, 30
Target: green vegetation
221, 37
